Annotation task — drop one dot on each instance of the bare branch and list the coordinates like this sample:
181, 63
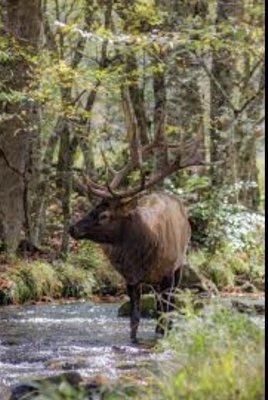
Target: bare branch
245, 80
250, 100
78, 97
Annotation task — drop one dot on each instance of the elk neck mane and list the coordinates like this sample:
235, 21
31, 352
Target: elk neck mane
139, 246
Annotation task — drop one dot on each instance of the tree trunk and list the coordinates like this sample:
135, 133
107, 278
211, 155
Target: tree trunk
222, 81
137, 96
65, 183
247, 170
160, 117
19, 137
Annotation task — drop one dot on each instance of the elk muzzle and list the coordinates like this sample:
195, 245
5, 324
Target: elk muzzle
73, 232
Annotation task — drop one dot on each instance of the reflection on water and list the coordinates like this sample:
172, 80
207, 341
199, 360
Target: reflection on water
43, 340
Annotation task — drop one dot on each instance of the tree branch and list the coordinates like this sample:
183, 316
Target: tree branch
18, 172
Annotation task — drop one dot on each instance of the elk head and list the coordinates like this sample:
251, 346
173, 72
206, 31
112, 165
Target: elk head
105, 223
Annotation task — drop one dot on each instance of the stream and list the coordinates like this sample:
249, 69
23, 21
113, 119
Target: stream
44, 340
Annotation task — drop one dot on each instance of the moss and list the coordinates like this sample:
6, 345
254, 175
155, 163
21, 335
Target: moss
148, 307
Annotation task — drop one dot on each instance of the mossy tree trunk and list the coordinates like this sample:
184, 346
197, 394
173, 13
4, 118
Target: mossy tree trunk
222, 85
19, 130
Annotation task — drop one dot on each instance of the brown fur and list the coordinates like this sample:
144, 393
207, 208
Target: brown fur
156, 235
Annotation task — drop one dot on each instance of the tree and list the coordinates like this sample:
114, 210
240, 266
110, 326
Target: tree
19, 131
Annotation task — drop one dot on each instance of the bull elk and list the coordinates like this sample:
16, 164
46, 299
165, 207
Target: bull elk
145, 235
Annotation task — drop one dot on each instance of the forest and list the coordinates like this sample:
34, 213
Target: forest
113, 102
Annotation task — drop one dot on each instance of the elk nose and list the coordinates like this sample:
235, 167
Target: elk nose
72, 230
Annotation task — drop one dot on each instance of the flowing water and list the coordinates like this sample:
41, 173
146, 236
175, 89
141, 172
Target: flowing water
43, 340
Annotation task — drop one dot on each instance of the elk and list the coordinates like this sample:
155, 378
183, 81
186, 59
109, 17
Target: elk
145, 236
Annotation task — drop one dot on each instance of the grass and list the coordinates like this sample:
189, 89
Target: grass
217, 357
86, 272
90, 257
27, 281
33, 281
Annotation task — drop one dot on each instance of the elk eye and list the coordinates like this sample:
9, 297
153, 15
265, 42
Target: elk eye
104, 216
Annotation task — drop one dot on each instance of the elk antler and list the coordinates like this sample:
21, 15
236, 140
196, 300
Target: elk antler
194, 158
133, 130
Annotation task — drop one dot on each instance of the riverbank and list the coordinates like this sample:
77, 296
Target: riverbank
42, 278
86, 274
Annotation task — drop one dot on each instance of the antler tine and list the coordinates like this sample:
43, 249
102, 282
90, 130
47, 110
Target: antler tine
108, 167
195, 159
170, 169
118, 176
95, 188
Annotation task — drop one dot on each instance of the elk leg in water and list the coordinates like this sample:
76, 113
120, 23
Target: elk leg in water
165, 299
134, 292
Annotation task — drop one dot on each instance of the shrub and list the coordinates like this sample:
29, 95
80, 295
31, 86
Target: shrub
88, 256
32, 281
227, 265
215, 215
76, 282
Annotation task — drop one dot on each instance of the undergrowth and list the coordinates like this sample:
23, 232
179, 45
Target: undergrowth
86, 272
217, 357
38, 280
228, 267
89, 256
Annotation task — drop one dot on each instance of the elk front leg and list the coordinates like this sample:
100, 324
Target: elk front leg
134, 292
